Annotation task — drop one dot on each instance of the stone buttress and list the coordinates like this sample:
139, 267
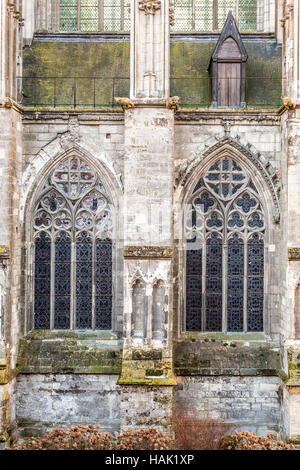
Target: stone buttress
147, 377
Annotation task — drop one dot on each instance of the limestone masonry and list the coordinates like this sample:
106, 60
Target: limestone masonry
150, 214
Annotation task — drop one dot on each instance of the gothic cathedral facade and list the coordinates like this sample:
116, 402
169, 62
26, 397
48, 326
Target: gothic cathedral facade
150, 188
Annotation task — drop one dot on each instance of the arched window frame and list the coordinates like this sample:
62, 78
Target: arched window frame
112, 189
271, 233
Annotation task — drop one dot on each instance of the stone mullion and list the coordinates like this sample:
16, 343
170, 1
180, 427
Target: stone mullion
237, 19
203, 284
193, 15
78, 16
122, 15
224, 277
215, 15
73, 287
245, 282
101, 15
94, 261
52, 280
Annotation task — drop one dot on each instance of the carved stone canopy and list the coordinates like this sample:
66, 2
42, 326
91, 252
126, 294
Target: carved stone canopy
149, 6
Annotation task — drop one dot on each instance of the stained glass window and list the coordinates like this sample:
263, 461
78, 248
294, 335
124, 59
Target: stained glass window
189, 15
225, 232
94, 15
72, 227
210, 15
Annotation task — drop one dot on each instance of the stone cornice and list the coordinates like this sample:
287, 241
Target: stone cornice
154, 252
294, 253
4, 252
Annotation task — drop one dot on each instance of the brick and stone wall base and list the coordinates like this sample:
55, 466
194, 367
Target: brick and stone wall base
47, 401
2, 443
249, 403
146, 406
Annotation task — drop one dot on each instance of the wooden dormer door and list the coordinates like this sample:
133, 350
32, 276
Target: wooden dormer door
229, 83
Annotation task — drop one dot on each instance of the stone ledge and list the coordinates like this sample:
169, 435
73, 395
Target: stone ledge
294, 253
293, 379
213, 356
45, 352
4, 252
155, 252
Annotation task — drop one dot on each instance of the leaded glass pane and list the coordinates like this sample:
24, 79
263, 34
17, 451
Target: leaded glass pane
183, 10
255, 299
89, 11
235, 291
103, 284
224, 7
248, 15
42, 282
203, 15
69, 15
84, 281
62, 288
213, 304
194, 290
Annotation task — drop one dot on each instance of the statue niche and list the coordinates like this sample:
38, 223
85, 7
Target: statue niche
158, 314
138, 310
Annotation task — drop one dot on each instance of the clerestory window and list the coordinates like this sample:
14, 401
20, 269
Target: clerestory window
94, 15
225, 239
189, 15
72, 236
210, 15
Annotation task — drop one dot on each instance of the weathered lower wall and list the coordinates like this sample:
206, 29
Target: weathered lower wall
144, 406
249, 403
57, 400
1, 416
291, 413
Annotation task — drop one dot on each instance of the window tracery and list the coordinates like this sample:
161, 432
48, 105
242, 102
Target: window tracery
72, 230
225, 233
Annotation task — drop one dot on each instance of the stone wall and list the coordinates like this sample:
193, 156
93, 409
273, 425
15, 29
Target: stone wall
47, 401
249, 403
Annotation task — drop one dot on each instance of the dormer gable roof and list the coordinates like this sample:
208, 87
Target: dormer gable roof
230, 30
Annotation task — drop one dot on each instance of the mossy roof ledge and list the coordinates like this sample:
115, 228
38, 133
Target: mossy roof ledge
76, 335
241, 338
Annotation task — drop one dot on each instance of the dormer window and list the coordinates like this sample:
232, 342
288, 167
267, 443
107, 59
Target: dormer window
228, 68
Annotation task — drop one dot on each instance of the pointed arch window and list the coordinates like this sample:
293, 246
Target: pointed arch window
225, 236
72, 233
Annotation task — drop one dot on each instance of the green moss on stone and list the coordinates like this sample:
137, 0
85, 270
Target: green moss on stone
88, 73
94, 73
293, 378
154, 372
242, 358
69, 352
190, 78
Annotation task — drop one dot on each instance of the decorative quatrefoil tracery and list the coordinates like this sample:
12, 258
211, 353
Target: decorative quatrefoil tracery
74, 198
